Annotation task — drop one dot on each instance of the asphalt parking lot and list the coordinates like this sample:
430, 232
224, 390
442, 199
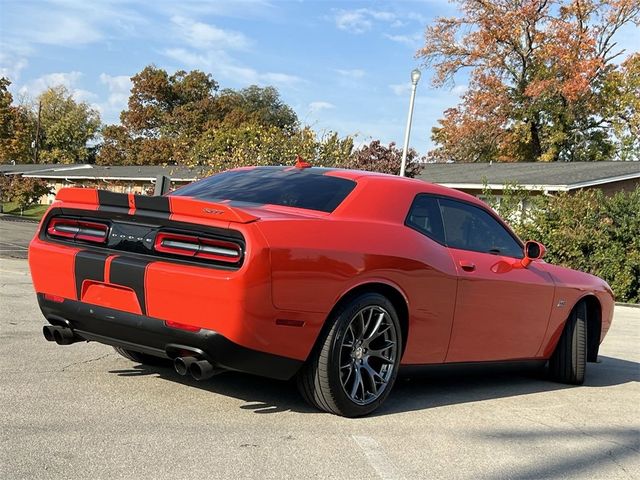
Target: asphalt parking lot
15, 234
83, 412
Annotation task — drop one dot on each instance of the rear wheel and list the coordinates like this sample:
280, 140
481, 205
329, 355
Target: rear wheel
353, 368
569, 360
142, 358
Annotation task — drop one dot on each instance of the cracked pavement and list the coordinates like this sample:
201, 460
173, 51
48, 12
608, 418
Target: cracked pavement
82, 411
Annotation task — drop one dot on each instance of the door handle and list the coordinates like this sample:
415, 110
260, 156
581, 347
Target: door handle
467, 266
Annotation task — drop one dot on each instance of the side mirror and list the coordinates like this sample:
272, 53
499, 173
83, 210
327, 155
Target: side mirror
532, 251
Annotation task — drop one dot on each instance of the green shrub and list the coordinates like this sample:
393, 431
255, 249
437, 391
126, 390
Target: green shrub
585, 230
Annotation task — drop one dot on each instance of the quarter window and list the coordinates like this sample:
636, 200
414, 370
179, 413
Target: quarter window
424, 216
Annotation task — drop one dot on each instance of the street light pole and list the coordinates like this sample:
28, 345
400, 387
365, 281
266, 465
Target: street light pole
415, 78
36, 141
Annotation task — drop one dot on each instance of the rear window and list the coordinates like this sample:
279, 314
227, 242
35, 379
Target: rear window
289, 187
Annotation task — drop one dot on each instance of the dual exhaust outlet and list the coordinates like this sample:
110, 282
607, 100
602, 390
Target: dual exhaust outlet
198, 369
60, 335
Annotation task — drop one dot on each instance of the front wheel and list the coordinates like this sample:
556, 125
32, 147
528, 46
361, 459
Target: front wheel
354, 366
569, 360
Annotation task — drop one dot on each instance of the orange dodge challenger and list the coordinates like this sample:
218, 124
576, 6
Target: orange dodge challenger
337, 277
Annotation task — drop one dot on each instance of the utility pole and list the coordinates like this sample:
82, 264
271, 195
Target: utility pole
37, 139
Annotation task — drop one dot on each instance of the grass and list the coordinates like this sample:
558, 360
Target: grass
34, 212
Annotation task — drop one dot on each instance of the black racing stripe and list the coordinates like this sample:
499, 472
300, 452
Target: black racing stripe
88, 266
159, 205
129, 272
112, 199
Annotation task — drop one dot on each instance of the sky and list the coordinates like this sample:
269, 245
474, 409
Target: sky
342, 66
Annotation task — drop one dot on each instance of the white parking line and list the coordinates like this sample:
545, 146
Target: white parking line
377, 458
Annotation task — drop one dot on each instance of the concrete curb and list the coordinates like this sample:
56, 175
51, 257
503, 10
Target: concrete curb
632, 305
16, 218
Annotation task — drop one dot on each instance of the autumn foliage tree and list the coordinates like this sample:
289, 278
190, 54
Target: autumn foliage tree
25, 191
165, 115
545, 82
376, 157
17, 127
67, 126
183, 119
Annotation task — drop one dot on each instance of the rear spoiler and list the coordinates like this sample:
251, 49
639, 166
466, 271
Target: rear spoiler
165, 206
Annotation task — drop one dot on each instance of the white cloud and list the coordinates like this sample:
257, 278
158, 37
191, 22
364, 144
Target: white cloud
362, 20
68, 23
354, 73
400, 89
460, 89
412, 40
223, 66
279, 78
68, 31
11, 68
231, 8
37, 86
380, 15
69, 80
13, 59
204, 36
119, 87
315, 107
207, 48
353, 21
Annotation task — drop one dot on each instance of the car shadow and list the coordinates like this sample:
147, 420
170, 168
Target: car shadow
433, 387
438, 387
261, 395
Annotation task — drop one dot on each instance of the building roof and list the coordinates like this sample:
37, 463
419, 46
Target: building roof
553, 176
101, 172
20, 168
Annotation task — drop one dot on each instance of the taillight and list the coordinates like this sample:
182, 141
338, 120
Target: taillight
78, 230
198, 247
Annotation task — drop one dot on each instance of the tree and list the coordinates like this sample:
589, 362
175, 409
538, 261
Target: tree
229, 146
585, 230
621, 103
169, 105
375, 157
254, 105
539, 70
165, 117
5, 188
66, 127
17, 127
26, 191
181, 119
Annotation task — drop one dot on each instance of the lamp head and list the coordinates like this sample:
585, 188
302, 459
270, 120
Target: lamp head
415, 76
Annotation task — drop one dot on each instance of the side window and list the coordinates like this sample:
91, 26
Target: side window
471, 228
424, 216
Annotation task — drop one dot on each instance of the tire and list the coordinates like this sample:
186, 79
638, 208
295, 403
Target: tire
569, 360
140, 357
355, 362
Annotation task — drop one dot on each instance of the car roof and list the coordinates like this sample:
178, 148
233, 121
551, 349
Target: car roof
376, 192
364, 176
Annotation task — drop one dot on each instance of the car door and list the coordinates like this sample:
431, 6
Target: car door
502, 309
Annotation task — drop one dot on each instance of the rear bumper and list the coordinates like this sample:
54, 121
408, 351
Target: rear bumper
149, 335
